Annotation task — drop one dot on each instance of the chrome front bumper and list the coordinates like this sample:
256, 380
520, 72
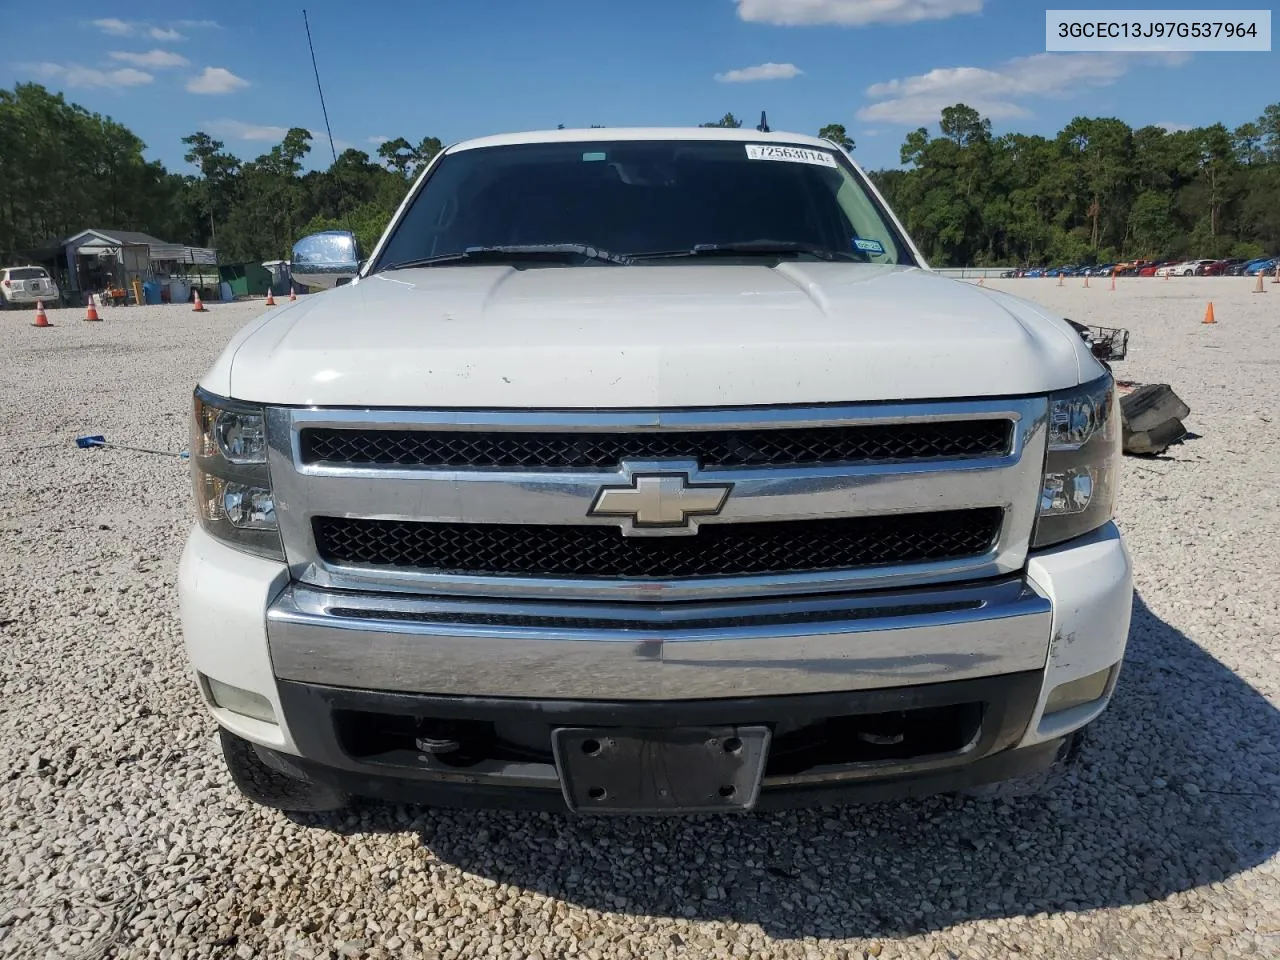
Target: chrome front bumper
684, 651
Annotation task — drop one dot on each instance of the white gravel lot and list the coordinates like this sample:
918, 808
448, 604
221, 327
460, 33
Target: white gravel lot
121, 835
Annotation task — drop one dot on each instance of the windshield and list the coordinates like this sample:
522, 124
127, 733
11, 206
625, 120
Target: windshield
613, 203
28, 273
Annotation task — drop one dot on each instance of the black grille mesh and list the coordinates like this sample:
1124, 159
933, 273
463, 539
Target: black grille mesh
712, 448
724, 549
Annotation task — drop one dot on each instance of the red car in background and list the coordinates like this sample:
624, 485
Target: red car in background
1219, 267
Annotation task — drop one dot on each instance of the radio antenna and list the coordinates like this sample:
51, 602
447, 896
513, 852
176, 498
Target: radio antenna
323, 109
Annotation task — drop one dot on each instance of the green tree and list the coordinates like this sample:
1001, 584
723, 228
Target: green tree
1246, 140
836, 133
728, 120
214, 193
1152, 224
397, 154
964, 125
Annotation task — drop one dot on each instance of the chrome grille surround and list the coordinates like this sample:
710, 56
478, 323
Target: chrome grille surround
305, 491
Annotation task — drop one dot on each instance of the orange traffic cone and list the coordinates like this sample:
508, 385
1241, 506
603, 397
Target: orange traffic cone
271, 301
1060, 283
982, 281
1086, 281
91, 313
1113, 281
198, 305
1258, 287
1276, 278
1208, 314
41, 320
293, 294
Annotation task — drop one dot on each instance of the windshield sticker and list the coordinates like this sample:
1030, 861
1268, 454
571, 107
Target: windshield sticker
768, 151
868, 246
592, 157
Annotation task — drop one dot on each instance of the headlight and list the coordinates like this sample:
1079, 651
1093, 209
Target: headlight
229, 472
1083, 458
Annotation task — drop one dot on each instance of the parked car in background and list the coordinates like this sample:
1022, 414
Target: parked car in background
1133, 268
1154, 269
23, 286
1219, 268
1188, 268
1261, 266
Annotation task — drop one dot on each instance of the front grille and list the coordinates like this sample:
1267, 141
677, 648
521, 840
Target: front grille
786, 446
599, 552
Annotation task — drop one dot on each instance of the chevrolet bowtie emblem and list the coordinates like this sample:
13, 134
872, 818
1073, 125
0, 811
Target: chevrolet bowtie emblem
660, 502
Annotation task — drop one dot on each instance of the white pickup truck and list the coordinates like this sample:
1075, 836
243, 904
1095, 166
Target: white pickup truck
650, 471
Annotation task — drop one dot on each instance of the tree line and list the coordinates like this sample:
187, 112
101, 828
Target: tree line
1099, 190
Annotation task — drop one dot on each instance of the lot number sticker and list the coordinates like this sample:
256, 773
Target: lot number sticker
766, 151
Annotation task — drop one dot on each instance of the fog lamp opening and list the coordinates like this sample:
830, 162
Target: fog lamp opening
245, 703
1076, 693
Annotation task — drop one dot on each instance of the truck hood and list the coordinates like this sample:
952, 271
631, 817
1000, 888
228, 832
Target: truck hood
681, 335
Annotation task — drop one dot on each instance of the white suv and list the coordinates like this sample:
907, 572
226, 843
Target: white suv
25, 286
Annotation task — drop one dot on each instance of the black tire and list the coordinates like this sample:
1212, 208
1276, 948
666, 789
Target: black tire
271, 788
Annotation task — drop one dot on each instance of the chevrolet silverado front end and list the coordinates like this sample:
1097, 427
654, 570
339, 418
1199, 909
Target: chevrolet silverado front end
651, 472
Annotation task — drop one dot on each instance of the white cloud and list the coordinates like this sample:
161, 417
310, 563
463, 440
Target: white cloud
216, 80
764, 71
152, 58
852, 13
1000, 93
379, 140
868, 133
246, 131
141, 28
269, 133
117, 28
78, 76
1175, 127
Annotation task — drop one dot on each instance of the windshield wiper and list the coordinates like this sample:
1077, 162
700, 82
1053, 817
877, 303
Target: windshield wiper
549, 252
751, 248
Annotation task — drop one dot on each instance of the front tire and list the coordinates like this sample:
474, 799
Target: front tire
271, 788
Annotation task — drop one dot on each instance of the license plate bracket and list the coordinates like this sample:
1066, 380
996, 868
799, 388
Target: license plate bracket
650, 771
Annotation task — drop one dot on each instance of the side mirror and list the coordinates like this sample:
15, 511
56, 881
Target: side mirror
325, 260
1107, 343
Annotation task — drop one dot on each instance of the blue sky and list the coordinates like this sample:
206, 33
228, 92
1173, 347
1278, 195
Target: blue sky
456, 69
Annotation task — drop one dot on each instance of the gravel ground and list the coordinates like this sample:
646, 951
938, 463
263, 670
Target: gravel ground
121, 835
